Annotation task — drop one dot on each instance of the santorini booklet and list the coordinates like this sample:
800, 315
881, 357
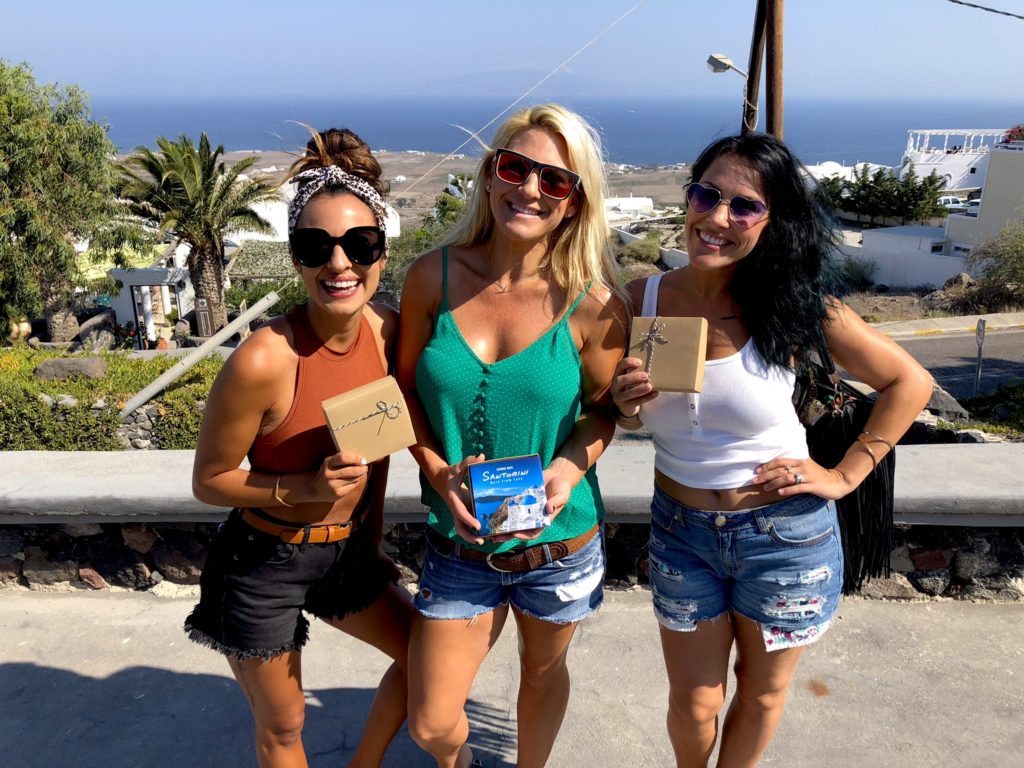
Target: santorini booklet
508, 495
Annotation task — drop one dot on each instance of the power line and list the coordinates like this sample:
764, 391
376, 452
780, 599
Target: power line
990, 10
527, 92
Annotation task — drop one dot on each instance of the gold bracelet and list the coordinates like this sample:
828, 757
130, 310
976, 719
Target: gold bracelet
277, 493
878, 439
867, 448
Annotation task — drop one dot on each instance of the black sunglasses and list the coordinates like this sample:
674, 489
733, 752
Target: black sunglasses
514, 168
743, 212
313, 247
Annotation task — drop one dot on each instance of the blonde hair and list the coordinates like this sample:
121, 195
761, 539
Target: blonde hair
581, 250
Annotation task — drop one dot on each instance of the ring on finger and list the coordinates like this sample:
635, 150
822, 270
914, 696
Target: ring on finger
789, 470
798, 478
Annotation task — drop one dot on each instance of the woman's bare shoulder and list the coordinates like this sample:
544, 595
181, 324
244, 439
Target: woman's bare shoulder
265, 355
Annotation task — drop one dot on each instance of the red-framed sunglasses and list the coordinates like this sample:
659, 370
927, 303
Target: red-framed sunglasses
514, 168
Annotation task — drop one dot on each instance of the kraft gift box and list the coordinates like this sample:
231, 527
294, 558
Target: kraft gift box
508, 495
371, 421
673, 351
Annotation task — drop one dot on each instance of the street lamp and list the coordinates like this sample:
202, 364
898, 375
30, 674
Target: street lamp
718, 62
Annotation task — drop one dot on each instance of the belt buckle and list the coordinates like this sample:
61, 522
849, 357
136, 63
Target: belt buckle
492, 566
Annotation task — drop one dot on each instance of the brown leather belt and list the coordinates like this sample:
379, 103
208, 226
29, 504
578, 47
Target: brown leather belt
520, 560
293, 533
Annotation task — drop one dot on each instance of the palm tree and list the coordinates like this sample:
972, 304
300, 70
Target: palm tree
193, 195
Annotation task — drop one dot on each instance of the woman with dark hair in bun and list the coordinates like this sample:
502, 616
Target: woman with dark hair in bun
305, 530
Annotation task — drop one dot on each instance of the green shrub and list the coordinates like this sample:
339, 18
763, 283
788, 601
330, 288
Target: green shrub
27, 423
857, 274
251, 291
1008, 401
646, 251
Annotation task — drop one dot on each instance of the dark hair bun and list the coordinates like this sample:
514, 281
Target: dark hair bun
343, 148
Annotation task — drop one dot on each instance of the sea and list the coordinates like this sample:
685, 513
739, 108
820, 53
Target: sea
635, 131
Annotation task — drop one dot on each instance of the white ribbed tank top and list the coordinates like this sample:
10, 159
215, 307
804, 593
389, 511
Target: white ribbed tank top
743, 417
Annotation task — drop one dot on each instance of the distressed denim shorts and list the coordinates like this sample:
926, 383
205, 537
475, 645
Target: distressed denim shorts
561, 592
254, 588
779, 565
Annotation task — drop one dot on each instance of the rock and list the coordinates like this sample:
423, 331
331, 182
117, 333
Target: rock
933, 582
896, 587
45, 399
104, 322
98, 340
60, 368
122, 568
141, 445
407, 574
66, 402
81, 530
91, 577
971, 436
930, 559
934, 299
899, 560
40, 572
1002, 412
11, 543
10, 569
945, 406
180, 561
1004, 590
959, 282
100, 404
138, 537
976, 562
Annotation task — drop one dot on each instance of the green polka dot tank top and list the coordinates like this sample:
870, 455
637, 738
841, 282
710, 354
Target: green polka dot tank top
525, 403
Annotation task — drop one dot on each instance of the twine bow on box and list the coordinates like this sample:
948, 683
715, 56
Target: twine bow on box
647, 341
383, 409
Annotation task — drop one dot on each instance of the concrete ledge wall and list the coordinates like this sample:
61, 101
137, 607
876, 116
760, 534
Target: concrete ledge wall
976, 485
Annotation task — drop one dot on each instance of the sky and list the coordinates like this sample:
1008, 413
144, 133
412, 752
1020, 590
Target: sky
907, 50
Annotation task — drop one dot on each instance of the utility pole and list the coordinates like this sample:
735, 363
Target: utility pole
754, 69
773, 61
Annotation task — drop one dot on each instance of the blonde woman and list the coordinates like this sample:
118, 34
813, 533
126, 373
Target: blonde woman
509, 338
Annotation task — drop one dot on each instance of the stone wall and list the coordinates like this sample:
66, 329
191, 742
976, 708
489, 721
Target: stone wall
960, 563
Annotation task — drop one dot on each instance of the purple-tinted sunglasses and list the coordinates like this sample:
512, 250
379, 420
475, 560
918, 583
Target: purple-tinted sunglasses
743, 212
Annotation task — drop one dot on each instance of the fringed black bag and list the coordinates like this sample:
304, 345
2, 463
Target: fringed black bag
834, 414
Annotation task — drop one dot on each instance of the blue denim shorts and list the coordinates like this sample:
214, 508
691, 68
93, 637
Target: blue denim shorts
779, 565
561, 592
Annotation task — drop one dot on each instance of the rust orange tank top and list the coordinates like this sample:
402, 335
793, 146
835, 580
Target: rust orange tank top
302, 441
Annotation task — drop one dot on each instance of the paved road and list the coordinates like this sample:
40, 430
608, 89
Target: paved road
951, 359
99, 680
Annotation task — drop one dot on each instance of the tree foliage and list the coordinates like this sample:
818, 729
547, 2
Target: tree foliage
190, 192
883, 194
57, 177
404, 249
1000, 260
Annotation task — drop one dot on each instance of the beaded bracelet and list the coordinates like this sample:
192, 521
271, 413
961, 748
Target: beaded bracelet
277, 493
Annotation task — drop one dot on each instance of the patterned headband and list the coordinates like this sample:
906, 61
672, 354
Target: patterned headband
331, 176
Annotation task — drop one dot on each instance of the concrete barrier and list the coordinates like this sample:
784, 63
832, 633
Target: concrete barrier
974, 485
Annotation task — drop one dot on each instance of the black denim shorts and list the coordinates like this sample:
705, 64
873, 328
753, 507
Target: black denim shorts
254, 588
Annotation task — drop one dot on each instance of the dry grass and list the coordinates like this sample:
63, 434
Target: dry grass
884, 307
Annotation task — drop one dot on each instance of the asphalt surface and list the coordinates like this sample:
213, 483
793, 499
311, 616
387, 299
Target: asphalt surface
98, 680
952, 359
